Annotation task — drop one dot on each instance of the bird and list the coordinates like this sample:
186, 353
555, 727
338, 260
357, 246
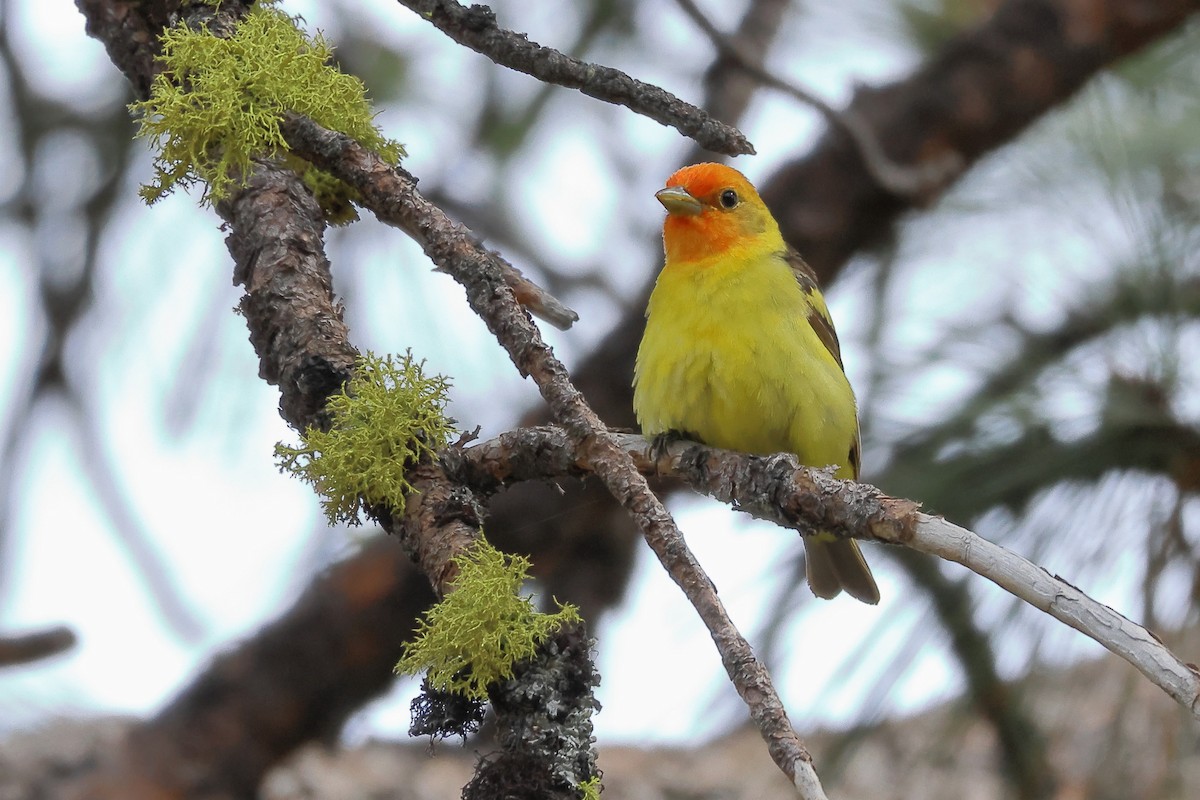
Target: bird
740, 353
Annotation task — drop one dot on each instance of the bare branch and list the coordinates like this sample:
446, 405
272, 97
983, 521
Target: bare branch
476, 28
778, 489
35, 646
902, 179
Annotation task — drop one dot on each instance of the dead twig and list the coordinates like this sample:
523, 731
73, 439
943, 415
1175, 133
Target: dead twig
30, 647
475, 27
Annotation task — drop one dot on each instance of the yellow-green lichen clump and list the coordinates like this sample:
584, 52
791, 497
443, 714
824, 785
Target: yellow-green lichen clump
218, 101
389, 417
473, 637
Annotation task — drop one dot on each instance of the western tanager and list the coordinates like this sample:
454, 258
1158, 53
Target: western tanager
740, 353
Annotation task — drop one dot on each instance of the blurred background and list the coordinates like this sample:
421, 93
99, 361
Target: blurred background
1025, 354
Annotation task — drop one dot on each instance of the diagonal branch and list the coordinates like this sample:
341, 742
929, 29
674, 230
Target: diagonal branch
475, 27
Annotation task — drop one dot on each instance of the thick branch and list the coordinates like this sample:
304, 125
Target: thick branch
296, 326
475, 27
441, 519
129, 31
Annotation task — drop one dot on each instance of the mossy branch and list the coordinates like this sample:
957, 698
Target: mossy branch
389, 417
473, 637
217, 103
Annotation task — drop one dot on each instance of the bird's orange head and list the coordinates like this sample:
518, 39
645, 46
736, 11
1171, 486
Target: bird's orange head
711, 210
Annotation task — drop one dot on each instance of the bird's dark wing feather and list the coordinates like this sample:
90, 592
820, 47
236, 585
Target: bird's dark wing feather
818, 317
822, 325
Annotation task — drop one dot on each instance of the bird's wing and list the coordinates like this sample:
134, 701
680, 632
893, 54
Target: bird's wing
822, 325
818, 315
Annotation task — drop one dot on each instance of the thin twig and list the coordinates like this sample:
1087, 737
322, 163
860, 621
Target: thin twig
901, 179
392, 195
476, 28
778, 489
30, 647
539, 301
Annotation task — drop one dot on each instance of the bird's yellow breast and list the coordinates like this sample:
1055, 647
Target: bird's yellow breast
730, 357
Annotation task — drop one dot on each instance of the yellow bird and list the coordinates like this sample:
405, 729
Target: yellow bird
740, 353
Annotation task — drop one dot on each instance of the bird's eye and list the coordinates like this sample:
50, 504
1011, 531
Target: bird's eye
729, 198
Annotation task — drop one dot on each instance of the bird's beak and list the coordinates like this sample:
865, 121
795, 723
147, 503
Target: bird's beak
677, 201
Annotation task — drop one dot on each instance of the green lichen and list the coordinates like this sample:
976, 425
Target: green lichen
590, 789
389, 417
217, 103
474, 636
335, 197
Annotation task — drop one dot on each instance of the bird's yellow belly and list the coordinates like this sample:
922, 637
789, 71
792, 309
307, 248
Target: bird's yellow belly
744, 372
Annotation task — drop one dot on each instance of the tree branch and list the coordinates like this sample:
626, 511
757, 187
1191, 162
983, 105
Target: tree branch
35, 646
776, 488
476, 28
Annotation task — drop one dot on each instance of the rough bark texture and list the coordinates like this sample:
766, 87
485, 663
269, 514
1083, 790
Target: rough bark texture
544, 746
295, 323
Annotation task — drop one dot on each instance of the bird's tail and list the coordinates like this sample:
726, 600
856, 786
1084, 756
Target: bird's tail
836, 565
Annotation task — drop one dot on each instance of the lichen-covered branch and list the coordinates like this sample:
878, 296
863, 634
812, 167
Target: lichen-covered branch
303, 345
475, 27
778, 489
277, 242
